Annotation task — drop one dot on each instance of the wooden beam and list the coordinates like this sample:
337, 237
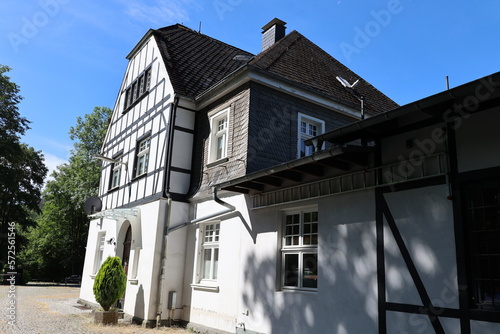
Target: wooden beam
269, 180
289, 175
312, 169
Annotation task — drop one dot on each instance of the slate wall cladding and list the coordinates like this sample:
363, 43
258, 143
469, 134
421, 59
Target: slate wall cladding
207, 174
273, 132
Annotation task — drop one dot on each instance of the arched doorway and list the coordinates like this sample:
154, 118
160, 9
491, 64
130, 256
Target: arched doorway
126, 249
127, 241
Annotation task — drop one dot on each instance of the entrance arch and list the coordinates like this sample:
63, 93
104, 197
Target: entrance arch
126, 249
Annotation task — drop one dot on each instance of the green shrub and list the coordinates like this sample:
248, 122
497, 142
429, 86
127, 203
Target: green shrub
110, 282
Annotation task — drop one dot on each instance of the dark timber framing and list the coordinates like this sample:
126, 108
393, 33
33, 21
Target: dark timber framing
383, 215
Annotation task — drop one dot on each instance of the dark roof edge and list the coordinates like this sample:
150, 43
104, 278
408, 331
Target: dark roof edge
247, 69
334, 151
139, 45
462, 91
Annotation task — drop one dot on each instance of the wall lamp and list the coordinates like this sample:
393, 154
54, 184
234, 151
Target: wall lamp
111, 241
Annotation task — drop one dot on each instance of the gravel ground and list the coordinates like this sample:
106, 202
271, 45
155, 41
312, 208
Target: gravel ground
53, 309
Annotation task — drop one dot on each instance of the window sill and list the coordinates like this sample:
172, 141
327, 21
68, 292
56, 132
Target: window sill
93, 276
111, 190
138, 177
205, 287
215, 163
133, 104
298, 290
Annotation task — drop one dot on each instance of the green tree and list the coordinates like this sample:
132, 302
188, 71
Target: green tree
110, 282
22, 170
63, 217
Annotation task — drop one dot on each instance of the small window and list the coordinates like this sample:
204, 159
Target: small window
210, 252
101, 239
309, 127
137, 89
147, 80
116, 171
300, 250
142, 158
219, 136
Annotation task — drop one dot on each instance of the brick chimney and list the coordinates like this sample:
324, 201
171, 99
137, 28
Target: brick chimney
272, 32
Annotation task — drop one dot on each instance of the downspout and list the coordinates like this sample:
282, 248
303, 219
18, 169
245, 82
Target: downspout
170, 145
166, 194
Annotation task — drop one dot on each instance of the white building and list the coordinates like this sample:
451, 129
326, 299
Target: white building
226, 219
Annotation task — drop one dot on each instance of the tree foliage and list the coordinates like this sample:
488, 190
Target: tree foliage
63, 217
22, 170
110, 282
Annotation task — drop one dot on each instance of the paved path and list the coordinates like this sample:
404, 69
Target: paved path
42, 309
53, 309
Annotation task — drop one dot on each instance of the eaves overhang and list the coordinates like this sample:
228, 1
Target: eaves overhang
340, 158
249, 73
444, 107
140, 44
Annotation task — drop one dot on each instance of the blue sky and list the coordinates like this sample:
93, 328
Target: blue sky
68, 56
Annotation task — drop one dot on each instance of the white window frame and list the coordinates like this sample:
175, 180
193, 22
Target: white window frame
142, 158
302, 241
309, 121
116, 173
210, 237
217, 133
99, 251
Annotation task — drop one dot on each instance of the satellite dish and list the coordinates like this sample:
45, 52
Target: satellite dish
92, 205
346, 84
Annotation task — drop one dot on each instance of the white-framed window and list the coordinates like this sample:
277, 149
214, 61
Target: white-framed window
299, 250
210, 251
101, 240
219, 124
116, 173
308, 127
139, 87
142, 158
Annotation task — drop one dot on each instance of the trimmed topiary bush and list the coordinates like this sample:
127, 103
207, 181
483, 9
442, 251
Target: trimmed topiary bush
110, 282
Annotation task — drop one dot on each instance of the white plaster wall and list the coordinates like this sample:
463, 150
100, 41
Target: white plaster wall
96, 225
424, 218
173, 277
182, 154
346, 300
405, 323
424, 142
140, 298
478, 141
217, 309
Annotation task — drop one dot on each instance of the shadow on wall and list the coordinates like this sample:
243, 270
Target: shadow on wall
139, 304
346, 300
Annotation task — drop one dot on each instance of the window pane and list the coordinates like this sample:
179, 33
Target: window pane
216, 262
216, 232
207, 260
303, 127
148, 79
310, 272
312, 130
291, 273
221, 143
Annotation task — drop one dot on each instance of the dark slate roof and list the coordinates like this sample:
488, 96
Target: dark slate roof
301, 61
195, 61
